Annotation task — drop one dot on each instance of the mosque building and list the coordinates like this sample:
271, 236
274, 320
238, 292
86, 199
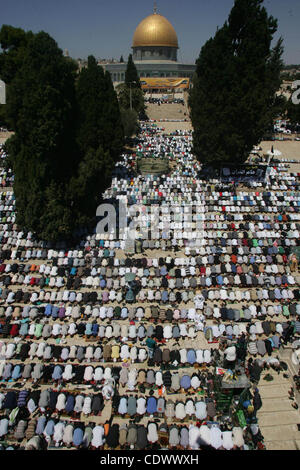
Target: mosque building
154, 52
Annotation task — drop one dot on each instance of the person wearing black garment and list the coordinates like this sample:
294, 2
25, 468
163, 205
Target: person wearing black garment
97, 404
78, 370
223, 312
18, 295
157, 357
10, 400
255, 370
53, 400
81, 329
142, 440
257, 402
174, 355
25, 347
47, 373
167, 379
288, 333
56, 351
159, 332
269, 347
69, 284
241, 350
112, 438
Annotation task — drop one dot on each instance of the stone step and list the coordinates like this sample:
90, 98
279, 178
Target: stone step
278, 418
275, 433
274, 390
275, 404
283, 445
277, 380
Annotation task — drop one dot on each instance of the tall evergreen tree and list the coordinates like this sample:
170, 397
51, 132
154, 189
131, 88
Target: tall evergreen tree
67, 138
100, 139
99, 119
13, 42
40, 106
233, 98
131, 74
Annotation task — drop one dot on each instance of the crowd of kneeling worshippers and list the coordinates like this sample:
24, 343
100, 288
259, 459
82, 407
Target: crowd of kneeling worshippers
164, 347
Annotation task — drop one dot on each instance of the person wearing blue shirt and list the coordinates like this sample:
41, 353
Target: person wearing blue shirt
16, 372
48, 310
49, 429
185, 382
55, 311
57, 373
151, 405
70, 403
88, 329
95, 329
164, 296
77, 436
191, 356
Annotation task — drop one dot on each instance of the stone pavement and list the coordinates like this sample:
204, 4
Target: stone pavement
166, 111
277, 418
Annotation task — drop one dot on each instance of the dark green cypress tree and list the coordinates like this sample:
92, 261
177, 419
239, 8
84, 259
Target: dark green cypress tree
233, 99
66, 139
113, 132
13, 42
99, 120
131, 74
100, 139
40, 106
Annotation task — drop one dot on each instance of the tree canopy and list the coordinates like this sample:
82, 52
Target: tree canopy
68, 134
233, 98
100, 137
131, 74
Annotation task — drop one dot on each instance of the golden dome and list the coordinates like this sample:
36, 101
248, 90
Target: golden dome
155, 30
